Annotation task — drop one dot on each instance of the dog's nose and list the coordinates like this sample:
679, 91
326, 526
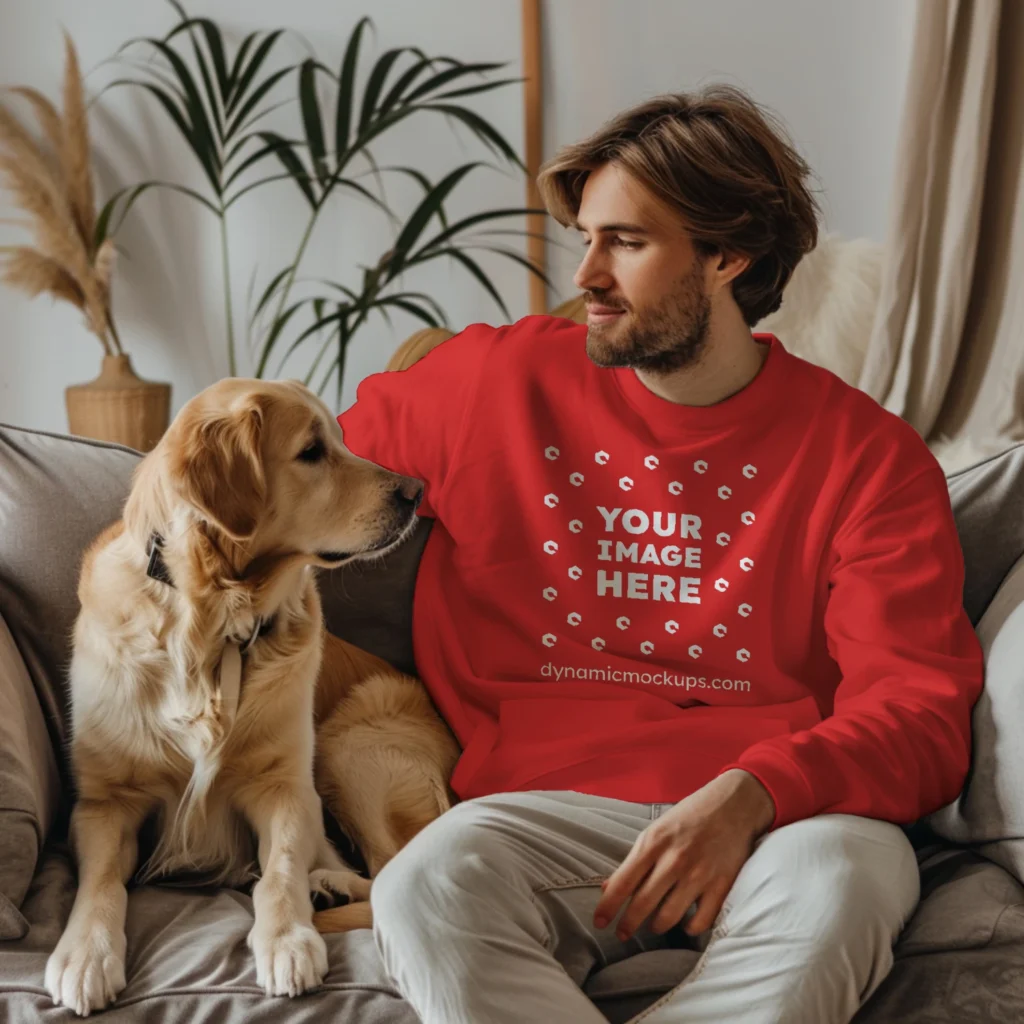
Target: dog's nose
408, 494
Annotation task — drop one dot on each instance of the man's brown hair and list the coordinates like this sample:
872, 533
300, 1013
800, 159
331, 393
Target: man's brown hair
725, 164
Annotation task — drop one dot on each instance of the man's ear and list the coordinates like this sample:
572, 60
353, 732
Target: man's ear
729, 265
221, 469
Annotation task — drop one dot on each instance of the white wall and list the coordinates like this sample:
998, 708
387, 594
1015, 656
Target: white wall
834, 71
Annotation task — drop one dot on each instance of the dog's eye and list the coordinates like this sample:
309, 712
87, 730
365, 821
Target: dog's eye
314, 453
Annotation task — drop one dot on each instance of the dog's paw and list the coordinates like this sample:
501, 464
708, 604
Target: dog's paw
329, 887
290, 961
85, 972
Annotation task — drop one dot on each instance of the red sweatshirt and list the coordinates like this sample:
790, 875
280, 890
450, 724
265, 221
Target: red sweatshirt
625, 597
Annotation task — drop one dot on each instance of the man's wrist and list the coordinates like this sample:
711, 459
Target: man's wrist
755, 799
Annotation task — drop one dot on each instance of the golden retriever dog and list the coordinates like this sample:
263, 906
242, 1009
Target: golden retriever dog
194, 688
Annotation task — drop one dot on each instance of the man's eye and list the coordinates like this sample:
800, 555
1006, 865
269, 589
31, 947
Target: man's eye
625, 243
314, 453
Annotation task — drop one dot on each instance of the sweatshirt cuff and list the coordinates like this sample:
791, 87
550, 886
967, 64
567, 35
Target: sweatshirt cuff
786, 784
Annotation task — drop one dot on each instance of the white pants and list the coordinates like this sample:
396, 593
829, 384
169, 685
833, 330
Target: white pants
487, 916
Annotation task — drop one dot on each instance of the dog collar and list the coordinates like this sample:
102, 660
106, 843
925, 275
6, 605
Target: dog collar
157, 570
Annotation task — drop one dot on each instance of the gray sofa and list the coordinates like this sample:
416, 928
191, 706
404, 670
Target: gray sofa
961, 958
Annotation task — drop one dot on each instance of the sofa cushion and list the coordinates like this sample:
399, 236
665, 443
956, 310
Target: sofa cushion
56, 494
369, 604
188, 961
987, 500
961, 957
29, 784
990, 810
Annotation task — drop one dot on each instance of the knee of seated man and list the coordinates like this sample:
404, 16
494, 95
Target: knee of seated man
459, 851
833, 873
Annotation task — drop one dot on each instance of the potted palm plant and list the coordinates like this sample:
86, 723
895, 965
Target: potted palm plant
72, 258
216, 95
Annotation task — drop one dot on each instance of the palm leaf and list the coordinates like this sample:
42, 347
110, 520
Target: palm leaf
258, 116
516, 257
311, 122
279, 324
315, 327
397, 93
237, 64
268, 292
428, 207
347, 292
213, 94
323, 350
410, 307
484, 131
426, 299
474, 268
365, 193
423, 181
320, 323
245, 78
166, 97
284, 152
472, 90
239, 122
375, 83
214, 43
258, 155
133, 192
477, 218
259, 183
442, 78
201, 134
346, 88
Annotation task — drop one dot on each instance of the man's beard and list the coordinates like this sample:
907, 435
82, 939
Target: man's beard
661, 340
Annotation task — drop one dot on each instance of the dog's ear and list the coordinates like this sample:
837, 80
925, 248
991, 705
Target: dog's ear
221, 469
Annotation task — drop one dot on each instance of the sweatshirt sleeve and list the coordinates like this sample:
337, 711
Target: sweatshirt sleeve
897, 745
410, 421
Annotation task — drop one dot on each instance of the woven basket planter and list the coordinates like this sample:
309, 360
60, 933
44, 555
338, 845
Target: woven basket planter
119, 406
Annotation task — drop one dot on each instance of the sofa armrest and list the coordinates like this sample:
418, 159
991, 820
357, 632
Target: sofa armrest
29, 784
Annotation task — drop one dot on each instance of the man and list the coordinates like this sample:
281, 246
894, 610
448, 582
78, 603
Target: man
691, 605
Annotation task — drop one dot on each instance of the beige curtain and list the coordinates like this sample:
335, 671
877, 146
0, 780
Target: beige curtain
947, 345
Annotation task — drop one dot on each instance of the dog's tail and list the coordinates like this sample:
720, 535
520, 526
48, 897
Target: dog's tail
348, 918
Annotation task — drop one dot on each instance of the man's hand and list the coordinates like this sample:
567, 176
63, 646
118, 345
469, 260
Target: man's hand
692, 853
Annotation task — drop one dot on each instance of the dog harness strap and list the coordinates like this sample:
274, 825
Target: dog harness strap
261, 628
230, 683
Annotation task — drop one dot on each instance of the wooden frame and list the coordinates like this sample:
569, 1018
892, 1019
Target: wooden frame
533, 102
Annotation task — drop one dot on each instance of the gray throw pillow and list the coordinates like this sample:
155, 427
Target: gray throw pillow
56, 494
29, 785
989, 813
987, 500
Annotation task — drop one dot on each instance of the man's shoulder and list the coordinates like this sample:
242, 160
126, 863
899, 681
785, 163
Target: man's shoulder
856, 423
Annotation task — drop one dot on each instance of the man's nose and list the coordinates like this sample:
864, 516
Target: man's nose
592, 274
